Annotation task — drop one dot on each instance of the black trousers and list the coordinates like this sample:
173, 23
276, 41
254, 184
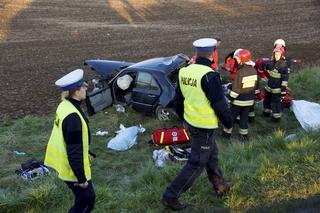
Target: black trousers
272, 102
204, 154
243, 112
84, 199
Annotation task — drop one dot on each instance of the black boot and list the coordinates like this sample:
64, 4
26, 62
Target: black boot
275, 120
266, 114
173, 204
226, 135
243, 138
222, 188
251, 119
238, 119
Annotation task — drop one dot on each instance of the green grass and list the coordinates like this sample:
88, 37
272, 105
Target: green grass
269, 173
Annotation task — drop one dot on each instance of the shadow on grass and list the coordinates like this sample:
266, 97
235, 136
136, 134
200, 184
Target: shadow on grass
312, 204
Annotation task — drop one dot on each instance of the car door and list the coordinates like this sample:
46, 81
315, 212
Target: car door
99, 97
145, 93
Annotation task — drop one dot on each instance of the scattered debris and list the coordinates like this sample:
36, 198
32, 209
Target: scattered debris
19, 153
120, 108
291, 137
32, 169
101, 133
159, 157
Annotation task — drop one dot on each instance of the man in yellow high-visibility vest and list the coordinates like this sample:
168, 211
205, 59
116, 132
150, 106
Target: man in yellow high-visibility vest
68, 147
200, 102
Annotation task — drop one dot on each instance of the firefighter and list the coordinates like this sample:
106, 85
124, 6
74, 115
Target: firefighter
68, 146
281, 43
276, 86
242, 93
231, 64
200, 103
214, 64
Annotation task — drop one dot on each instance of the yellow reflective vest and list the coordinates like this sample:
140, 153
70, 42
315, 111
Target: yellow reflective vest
197, 109
56, 154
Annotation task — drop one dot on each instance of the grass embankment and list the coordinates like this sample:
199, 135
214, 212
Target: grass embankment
269, 173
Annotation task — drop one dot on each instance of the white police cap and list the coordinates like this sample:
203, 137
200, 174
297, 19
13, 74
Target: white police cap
71, 80
205, 44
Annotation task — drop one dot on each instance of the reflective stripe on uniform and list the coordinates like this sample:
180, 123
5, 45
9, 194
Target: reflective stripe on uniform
273, 90
234, 94
243, 131
274, 73
284, 83
243, 103
276, 115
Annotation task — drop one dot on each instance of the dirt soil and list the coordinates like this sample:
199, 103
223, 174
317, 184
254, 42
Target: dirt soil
42, 40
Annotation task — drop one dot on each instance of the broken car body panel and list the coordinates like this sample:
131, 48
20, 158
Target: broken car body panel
153, 84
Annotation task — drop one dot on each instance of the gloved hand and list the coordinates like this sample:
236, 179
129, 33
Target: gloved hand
226, 88
260, 96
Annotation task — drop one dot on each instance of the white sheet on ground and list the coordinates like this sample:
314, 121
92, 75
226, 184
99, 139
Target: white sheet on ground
307, 113
125, 138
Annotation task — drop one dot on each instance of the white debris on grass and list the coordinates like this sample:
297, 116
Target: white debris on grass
307, 113
159, 157
101, 133
120, 108
125, 138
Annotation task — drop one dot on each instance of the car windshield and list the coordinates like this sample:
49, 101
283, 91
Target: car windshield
181, 60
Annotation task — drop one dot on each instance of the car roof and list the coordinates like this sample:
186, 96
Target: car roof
163, 64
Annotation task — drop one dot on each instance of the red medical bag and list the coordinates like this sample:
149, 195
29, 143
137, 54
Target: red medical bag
168, 136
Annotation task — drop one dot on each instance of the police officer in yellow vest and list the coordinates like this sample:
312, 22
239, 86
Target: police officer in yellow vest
200, 102
68, 147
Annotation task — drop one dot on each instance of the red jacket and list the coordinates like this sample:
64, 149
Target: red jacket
231, 64
214, 65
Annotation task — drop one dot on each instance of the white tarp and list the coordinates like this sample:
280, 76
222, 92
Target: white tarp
307, 113
125, 138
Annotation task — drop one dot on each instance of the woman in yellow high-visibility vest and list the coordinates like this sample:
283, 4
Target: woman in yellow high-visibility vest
68, 146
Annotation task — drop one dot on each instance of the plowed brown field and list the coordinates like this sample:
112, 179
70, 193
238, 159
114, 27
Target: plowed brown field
41, 40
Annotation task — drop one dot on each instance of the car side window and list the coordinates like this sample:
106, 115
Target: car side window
146, 81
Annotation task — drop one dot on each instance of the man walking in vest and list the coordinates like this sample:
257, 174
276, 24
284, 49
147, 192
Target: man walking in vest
200, 103
68, 147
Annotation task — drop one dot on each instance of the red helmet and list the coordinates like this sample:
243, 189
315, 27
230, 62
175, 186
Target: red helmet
279, 49
244, 56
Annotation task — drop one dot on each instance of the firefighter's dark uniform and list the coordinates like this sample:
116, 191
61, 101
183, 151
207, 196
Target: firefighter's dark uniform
276, 87
244, 86
200, 102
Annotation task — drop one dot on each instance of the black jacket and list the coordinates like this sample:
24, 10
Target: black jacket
241, 91
278, 74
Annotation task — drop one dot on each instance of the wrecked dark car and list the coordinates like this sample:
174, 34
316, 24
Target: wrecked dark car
148, 86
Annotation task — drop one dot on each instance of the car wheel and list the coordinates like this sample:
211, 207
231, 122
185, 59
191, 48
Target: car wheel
162, 113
